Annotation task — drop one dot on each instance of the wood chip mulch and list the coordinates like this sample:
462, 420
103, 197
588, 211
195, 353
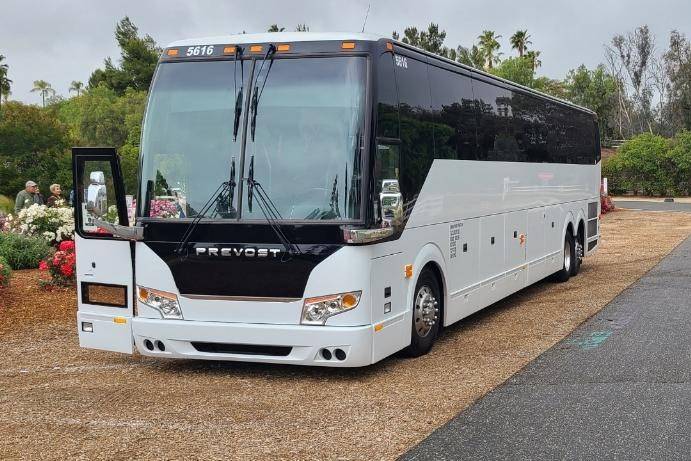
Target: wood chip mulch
58, 401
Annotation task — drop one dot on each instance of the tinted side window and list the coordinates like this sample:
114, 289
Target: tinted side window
454, 114
387, 98
417, 147
530, 126
496, 128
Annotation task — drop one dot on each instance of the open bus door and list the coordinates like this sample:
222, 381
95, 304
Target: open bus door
105, 269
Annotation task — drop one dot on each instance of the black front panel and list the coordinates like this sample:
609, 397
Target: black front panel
242, 259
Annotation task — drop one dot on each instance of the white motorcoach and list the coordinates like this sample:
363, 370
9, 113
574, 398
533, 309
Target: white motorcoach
327, 199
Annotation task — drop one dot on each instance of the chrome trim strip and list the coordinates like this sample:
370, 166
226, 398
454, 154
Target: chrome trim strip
241, 298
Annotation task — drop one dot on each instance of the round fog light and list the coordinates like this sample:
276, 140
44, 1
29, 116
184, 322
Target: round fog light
161, 347
340, 354
326, 354
148, 344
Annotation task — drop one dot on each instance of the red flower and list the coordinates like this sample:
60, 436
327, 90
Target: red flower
66, 245
67, 270
43, 265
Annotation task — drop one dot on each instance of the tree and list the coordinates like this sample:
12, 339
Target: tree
302, 28
5, 82
677, 65
33, 145
520, 41
431, 40
630, 57
473, 56
489, 46
597, 90
77, 87
275, 28
518, 70
533, 57
138, 59
43, 87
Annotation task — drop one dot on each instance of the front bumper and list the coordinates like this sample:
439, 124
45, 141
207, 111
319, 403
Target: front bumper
305, 342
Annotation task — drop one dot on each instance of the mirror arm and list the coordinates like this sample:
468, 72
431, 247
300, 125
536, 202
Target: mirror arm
134, 233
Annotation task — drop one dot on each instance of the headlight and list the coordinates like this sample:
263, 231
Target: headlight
316, 310
164, 302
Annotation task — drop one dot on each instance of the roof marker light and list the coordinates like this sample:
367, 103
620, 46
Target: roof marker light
348, 45
283, 47
255, 49
389, 46
172, 52
229, 50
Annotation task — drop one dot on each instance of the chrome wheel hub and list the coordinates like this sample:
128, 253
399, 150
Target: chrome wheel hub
426, 311
567, 257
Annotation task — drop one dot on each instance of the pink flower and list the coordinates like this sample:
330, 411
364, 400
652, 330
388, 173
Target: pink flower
43, 265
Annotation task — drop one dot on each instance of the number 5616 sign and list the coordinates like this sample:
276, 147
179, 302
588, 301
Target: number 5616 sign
205, 50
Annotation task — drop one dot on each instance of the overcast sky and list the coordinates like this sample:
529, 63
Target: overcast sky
64, 40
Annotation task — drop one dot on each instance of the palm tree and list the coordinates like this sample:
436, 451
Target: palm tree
275, 28
44, 88
533, 57
520, 41
5, 94
4, 81
489, 45
77, 87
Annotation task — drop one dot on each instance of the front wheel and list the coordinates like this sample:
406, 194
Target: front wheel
426, 318
569, 258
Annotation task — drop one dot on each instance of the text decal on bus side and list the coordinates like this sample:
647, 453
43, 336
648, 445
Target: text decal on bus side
401, 61
454, 236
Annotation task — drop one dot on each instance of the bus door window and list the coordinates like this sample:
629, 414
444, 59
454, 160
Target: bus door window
98, 201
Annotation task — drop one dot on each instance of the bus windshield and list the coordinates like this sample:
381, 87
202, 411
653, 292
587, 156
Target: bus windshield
304, 149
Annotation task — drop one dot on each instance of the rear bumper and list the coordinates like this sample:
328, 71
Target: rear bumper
305, 343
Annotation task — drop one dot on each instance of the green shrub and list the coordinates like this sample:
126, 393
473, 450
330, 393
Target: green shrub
22, 252
678, 163
6, 204
5, 273
639, 166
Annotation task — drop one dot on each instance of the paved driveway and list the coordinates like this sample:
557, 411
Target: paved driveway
617, 387
653, 206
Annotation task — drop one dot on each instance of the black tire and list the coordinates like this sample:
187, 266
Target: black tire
565, 273
578, 255
422, 335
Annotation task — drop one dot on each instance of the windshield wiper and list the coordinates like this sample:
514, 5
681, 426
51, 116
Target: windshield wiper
257, 93
217, 196
238, 94
269, 210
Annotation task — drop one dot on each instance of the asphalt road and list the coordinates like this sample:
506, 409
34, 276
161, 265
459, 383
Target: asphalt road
617, 387
653, 206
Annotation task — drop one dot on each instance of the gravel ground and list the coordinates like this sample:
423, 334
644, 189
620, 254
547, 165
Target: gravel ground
58, 401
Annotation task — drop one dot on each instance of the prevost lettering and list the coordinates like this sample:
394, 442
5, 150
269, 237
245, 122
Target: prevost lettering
238, 251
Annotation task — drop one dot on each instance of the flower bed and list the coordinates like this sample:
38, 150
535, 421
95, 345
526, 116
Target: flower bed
60, 266
5, 273
52, 224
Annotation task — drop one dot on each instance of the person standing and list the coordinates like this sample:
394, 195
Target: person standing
55, 200
38, 197
26, 197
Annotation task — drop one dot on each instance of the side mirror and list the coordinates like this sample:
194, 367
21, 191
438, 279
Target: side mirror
97, 177
391, 203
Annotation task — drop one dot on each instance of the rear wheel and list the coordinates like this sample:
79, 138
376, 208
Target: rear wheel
426, 303
568, 257
578, 254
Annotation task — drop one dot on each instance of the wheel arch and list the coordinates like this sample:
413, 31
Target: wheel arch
430, 256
